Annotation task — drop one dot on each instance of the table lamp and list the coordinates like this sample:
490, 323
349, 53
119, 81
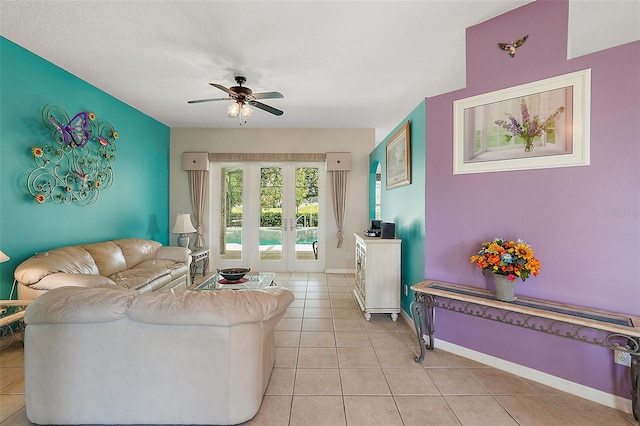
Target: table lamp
183, 227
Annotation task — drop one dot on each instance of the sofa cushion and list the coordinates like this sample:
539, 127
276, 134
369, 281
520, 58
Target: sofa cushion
136, 250
107, 256
140, 276
171, 267
72, 260
68, 305
216, 307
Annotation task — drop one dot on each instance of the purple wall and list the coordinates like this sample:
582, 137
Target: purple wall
583, 222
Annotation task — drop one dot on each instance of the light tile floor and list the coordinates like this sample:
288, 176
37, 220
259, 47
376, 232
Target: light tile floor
335, 368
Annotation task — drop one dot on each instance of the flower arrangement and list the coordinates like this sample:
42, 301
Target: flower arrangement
530, 128
511, 258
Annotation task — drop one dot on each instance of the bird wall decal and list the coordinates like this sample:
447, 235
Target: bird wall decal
511, 47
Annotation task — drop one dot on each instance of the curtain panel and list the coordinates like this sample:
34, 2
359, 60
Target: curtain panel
339, 180
199, 185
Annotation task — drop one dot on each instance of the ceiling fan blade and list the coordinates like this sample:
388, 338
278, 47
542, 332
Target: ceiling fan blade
197, 101
224, 89
267, 95
267, 108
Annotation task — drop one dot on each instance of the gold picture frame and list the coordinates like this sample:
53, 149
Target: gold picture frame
398, 150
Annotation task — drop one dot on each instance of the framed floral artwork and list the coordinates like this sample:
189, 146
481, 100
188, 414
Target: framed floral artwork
532, 126
398, 150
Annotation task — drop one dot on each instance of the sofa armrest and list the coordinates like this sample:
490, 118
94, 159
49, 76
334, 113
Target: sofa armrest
177, 254
217, 307
62, 279
72, 260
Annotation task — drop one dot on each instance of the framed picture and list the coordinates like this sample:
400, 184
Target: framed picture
399, 158
536, 125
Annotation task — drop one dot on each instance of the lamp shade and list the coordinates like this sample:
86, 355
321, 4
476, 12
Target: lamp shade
183, 224
246, 111
3, 257
233, 110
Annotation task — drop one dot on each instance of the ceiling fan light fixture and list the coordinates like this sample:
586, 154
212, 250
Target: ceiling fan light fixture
234, 110
243, 99
246, 111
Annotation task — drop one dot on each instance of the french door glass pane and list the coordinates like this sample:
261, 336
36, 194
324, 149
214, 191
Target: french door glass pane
231, 214
270, 213
306, 213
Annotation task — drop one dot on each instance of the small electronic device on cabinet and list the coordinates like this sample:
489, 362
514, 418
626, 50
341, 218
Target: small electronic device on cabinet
388, 230
375, 229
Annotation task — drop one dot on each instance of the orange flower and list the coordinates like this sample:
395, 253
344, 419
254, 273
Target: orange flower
496, 248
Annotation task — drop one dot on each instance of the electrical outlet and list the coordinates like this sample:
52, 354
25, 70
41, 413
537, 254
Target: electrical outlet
406, 290
348, 255
622, 357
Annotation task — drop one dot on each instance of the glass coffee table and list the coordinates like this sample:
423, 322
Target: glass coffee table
251, 281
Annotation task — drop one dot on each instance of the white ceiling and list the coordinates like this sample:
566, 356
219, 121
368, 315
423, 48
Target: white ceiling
339, 64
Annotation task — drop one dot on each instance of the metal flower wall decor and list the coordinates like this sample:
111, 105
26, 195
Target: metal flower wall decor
78, 164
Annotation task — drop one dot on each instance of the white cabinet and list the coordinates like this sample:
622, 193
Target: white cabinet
377, 288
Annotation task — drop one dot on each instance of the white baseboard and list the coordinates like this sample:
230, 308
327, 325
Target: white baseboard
582, 391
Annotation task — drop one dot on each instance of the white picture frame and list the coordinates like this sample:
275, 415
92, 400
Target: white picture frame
480, 145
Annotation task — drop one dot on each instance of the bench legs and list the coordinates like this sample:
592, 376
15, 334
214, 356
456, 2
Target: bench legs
635, 382
422, 313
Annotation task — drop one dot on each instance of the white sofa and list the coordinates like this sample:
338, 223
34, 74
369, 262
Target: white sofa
132, 263
115, 356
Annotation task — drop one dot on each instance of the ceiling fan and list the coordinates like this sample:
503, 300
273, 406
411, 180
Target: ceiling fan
243, 97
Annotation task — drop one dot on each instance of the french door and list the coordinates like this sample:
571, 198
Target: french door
270, 216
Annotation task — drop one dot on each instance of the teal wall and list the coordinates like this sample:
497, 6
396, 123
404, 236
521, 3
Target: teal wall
137, 205
405, 205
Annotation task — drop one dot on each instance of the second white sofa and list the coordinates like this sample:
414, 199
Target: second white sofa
132, 263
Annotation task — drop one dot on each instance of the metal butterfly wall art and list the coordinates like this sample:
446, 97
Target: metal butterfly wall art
511, 47
78, 165
76, 132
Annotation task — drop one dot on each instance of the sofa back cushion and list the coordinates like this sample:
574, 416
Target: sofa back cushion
73, 305
72, 260
210, 307
136, 251
108, 256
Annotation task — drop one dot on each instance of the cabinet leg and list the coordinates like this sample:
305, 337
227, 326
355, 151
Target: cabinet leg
367, 316
394, 317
